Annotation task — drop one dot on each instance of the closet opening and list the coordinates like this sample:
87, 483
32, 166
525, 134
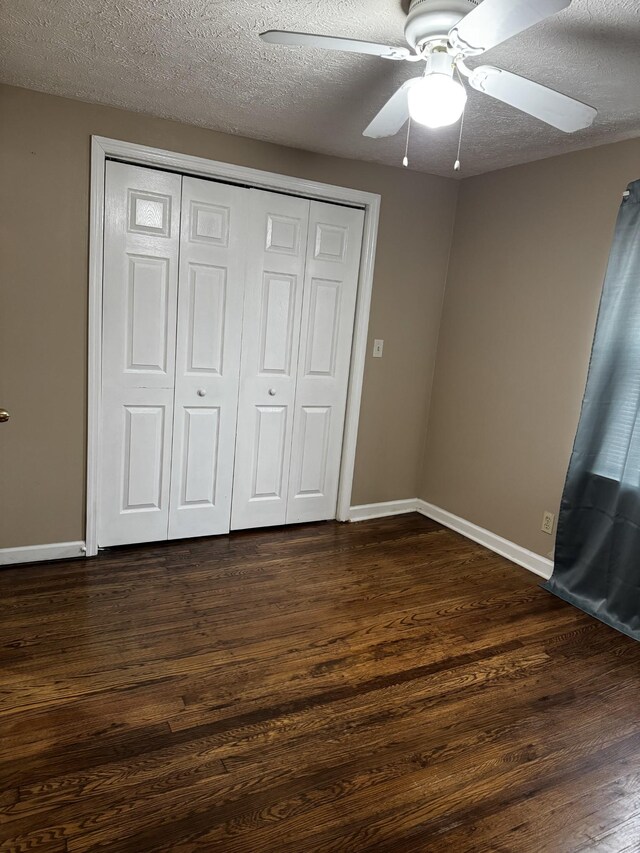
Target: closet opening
229, 326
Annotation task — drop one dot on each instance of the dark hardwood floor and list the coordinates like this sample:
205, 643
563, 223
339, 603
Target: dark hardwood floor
382, 686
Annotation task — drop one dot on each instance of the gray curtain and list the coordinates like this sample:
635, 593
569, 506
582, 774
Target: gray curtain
597, 557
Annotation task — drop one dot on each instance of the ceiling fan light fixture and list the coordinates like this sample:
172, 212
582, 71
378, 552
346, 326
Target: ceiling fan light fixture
436, 100
444, 34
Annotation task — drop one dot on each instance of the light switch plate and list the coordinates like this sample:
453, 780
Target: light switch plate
377, 348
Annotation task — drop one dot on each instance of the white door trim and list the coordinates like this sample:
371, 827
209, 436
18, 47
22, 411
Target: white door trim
101, 148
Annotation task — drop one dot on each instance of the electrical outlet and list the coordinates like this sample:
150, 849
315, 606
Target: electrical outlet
548, 519
377, 348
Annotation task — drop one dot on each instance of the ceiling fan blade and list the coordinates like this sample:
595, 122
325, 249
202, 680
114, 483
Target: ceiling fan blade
334, 43
393, 115
546, 104
495, 21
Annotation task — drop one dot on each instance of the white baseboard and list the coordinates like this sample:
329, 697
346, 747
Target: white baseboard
521, 556
380, 510
517, 554
37, 553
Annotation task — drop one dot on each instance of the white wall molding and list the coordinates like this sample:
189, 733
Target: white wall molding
37, 553
380, 510
540, 566
516, 553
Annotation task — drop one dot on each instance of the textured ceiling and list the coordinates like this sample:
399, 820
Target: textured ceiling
202, 63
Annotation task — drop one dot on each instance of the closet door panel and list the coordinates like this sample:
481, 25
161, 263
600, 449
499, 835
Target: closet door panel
330, 291
138, 432
142, 213
275, 248
210, 304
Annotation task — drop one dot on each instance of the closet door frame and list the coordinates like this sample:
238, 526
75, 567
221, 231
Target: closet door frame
103, 148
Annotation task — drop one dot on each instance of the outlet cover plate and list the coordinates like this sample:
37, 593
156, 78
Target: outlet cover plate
548, 520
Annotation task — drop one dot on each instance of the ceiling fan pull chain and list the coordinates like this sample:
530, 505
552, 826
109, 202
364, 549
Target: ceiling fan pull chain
405, 159
456, 165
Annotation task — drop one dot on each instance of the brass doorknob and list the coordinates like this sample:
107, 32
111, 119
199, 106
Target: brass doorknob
4, 416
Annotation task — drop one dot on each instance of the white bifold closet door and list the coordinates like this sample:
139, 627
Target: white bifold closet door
140, 287
210, 298
328, 311
271, 337
227, 327
172, 322
300, 298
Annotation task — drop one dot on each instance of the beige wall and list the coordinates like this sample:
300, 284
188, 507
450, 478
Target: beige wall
527, 261
44, 176
528, 258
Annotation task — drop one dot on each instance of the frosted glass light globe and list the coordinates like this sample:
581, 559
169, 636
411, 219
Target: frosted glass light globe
436, 100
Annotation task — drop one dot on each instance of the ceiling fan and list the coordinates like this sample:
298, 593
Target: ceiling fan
444, 34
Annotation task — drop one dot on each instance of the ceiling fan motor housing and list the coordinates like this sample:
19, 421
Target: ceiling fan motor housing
431, 20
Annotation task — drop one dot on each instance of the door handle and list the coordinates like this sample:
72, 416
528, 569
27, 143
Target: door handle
4, 416
201, 392
272, 392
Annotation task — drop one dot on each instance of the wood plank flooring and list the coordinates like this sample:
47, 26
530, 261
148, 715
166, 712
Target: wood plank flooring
327, 688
